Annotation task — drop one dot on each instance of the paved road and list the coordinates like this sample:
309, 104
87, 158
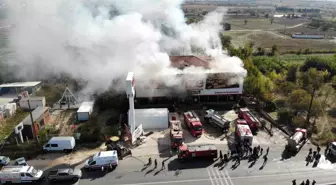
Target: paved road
131, 171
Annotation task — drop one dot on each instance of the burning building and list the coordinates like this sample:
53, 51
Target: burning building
212, 87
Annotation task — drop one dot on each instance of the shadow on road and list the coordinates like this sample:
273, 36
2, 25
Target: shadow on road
177, 164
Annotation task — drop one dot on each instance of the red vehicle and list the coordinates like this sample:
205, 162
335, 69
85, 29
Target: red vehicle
194, 123
176, 131
252, 121
197, 151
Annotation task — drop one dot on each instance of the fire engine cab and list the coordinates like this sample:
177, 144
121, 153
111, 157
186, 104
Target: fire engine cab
194, 124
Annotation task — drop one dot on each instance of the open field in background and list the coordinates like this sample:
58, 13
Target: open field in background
263, 23
266, 39
308, 30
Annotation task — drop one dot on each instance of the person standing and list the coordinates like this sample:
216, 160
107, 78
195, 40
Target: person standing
314, 182
149, 161
155, 163
220, 155
307, 182
302, 183
163, 165
294, 182
318, 149
267, 150
261, 151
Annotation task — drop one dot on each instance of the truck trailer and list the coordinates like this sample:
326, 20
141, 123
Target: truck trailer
176, 131
20, 174
217, 120
194, 123
187, 152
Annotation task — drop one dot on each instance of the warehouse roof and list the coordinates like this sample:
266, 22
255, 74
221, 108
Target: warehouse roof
37, 113
185, 61
86, 107
21, 84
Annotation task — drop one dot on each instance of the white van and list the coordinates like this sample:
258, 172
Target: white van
102, 159
66, 144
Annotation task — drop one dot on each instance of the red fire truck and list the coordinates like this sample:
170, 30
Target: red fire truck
176, 131
194, 123
252, 121
187, 152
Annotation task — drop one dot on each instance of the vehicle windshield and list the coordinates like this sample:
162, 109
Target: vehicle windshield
6, 158
333, 147
34, 172
197, 128
90, 159
178, 140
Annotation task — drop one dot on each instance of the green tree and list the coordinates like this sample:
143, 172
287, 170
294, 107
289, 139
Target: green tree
225, 40
274, 50
312, 80
292, 73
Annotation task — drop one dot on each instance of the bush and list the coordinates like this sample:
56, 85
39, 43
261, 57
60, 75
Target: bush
270, 106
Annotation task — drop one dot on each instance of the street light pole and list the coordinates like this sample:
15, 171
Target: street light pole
33, 125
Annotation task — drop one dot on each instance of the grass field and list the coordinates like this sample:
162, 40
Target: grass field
262, 23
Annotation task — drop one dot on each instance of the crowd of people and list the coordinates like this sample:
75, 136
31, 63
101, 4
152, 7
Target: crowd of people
312, 157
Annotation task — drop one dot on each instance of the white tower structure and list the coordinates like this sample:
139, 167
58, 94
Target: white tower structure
130, 91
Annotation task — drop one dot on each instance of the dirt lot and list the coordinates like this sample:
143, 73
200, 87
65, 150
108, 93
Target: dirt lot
307, 30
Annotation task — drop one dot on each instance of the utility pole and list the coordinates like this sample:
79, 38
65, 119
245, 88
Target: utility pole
32, 125
310, 105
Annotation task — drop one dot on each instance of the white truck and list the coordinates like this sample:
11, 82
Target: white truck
20, 174
296, 142
108, 159
65, 144
244, 133
217, 120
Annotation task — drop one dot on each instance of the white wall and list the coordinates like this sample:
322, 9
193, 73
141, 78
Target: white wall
151, 119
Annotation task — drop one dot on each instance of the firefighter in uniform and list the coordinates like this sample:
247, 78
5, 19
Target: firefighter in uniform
294, 182
307, 182
221, 155
155, 163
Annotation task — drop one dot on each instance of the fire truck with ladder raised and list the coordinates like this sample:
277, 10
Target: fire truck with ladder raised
194, 123
176, 131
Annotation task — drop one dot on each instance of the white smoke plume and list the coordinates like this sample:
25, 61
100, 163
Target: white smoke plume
99, 41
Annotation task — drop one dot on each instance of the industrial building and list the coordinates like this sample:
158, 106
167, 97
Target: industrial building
41, 117
34, 102
215, 88
11, 91
84, 111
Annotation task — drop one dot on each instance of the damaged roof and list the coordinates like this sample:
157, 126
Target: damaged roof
185, 61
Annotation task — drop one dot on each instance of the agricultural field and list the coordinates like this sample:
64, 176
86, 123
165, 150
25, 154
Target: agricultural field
308, 30
266, 39
263, 23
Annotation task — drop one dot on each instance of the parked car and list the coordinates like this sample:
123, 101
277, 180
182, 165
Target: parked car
21, 162
64, 174
4, 160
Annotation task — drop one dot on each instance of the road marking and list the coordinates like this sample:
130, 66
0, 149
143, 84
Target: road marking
210, 176
219, 176
226, 182
214, 174
167, 182
228, 176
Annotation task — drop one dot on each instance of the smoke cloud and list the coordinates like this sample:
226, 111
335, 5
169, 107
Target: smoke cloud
99, 41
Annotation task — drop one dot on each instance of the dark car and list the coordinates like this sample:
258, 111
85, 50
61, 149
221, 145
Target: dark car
65, 174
